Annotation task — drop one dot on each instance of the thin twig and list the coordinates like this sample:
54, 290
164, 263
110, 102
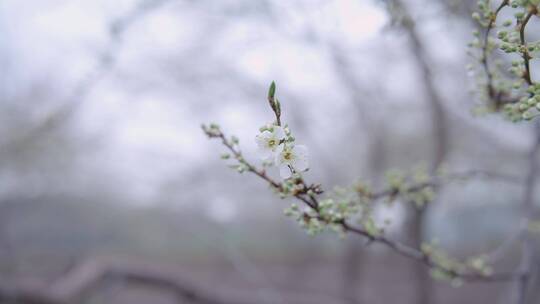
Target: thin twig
311, 201
524, 51
492, 92
437, 181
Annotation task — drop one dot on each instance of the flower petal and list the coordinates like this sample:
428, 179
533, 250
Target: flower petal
265, 153
279, 148
300, 151
284, 171
261, 142
280, 157
301, 164
266, 134
279, 133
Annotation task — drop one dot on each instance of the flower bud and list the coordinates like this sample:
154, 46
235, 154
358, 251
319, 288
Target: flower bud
272, 90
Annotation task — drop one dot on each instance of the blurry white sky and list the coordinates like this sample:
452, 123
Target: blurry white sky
171, 73
154, 125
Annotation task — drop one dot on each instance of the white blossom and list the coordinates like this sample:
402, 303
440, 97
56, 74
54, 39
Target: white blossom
295, 157
269, 142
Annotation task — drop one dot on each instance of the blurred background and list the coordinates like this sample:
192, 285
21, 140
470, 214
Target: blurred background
103, 164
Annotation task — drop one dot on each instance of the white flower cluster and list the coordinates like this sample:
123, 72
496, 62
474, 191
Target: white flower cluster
276, 145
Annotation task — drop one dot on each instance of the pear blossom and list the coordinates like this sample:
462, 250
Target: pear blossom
292, 157
269, 141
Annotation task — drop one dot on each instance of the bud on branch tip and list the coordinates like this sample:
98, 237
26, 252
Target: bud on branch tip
272, 90
274, 103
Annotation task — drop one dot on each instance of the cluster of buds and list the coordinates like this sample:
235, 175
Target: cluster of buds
295, 186
417, 187
451, 268
514, 93
328, 217
528, 107
213, 130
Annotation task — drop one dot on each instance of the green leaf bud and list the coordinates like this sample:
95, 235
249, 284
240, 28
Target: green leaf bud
272, 90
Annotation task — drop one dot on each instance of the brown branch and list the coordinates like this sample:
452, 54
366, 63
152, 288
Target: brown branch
497, 97
423, 258
311, 201
238, 155
492, 92
524, 51
303, 195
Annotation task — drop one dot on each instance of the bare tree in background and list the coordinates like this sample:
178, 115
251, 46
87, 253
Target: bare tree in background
34, 142
439, 126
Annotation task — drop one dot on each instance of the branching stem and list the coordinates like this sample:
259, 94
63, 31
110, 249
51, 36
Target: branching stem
309, 199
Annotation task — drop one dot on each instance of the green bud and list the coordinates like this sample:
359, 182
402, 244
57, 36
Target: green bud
288, 212
272, 90
523, 106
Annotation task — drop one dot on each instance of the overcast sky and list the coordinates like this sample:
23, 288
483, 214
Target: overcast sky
184, 63
154, 123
